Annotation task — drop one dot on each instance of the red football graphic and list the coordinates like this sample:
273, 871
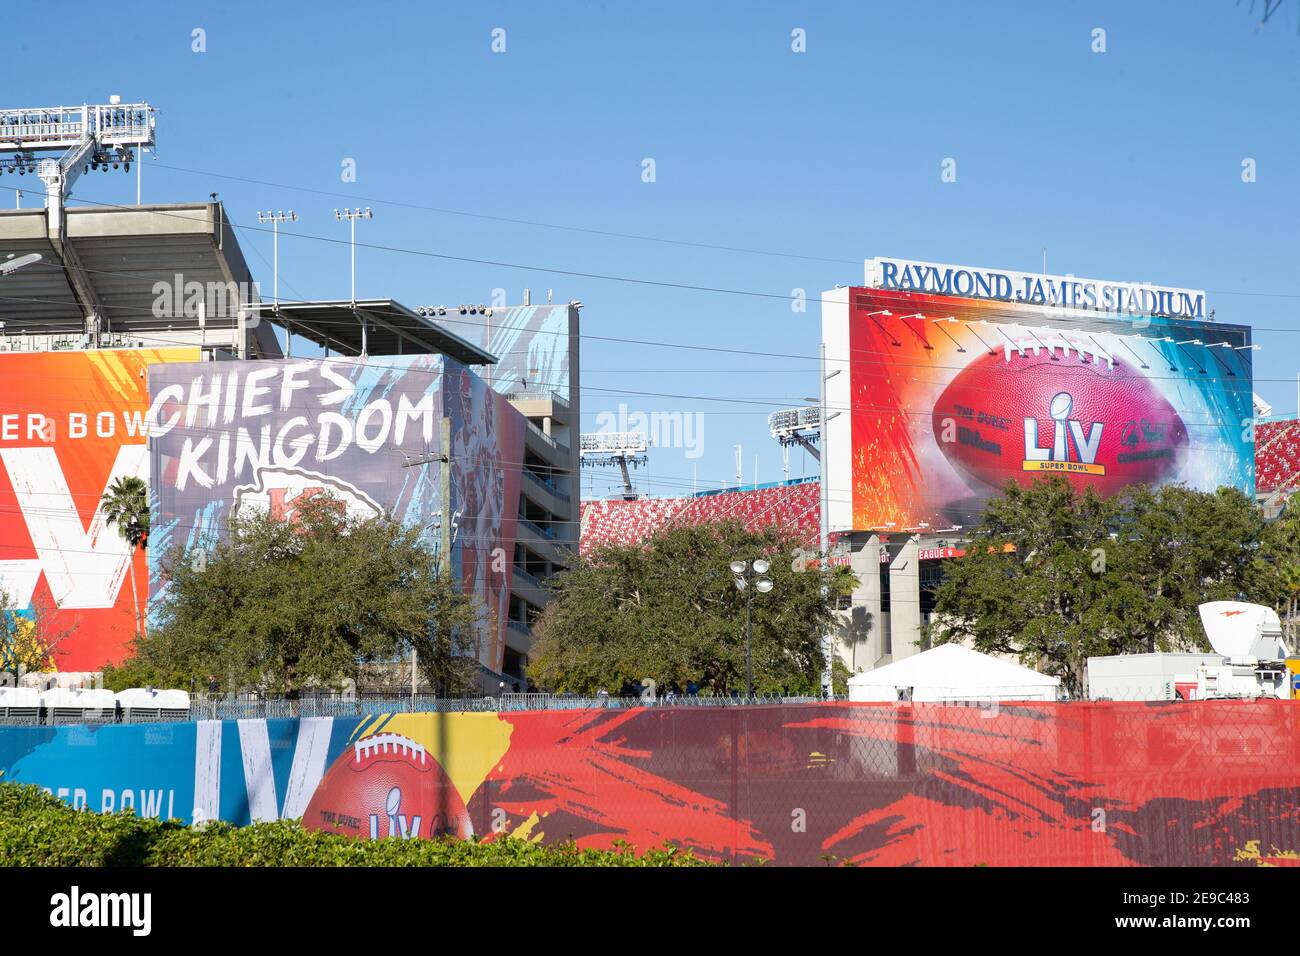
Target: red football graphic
1029, 414
387, 785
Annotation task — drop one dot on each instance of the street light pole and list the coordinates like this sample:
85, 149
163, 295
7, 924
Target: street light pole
275, 219
749, 644
748, 583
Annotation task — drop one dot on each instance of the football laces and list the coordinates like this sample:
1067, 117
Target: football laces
380, 744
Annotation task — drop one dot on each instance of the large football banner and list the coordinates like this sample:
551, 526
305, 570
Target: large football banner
949, 398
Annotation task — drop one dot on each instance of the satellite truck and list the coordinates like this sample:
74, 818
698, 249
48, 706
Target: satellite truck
1249, 636
1250, 660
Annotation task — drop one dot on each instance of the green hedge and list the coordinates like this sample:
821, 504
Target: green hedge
37, 829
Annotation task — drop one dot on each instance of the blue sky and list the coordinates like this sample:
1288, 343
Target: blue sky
1124, 164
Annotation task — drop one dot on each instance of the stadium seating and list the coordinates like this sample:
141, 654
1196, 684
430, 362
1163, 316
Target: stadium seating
794, 507
1277, 456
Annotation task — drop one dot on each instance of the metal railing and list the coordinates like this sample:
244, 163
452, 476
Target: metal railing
543, 533
558, 446
537, 394
231, 707
528, 577
547, 485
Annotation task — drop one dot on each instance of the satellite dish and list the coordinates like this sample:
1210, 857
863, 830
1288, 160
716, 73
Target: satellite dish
1237, 629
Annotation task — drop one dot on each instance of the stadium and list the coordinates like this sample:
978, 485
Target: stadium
901, 497
136, 343
144, 364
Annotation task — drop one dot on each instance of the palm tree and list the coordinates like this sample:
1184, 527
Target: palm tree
126, 504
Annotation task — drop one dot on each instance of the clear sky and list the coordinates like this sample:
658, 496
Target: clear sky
1125, 164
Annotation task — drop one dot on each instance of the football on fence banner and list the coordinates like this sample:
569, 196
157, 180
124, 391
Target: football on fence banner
386, 785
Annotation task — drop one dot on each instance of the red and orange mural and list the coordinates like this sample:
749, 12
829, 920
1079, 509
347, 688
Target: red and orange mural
1207, 783
82, 425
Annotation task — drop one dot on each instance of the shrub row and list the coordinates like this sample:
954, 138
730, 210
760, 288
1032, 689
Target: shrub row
37, 829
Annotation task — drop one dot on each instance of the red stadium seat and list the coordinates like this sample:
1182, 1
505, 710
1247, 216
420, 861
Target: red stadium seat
797, 507
793, 507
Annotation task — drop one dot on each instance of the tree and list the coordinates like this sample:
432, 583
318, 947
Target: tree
278, 606
126, 505
1277, 570
30, 639
1054, 576
1175, 549
668, 610
1027, 585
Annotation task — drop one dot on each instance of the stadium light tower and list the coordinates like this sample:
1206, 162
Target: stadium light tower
58, 144
351, 216
796, 426
275, 218
609, 449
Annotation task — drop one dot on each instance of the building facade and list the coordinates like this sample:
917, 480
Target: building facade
140, 345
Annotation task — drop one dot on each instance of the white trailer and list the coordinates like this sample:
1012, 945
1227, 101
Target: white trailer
1156, 676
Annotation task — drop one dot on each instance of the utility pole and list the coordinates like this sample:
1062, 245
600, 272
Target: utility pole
444, 517
828, 639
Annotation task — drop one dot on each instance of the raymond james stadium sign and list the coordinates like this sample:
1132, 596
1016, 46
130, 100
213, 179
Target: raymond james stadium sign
1066, 292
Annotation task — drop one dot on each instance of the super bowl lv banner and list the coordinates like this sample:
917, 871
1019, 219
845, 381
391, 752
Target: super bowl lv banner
71, 423
1041, 784
950, 398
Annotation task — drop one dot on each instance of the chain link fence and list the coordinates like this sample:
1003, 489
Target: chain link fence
238, 706
245, 706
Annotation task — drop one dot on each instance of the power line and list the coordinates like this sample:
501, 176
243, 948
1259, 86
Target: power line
635, 280
353, 197
641, 237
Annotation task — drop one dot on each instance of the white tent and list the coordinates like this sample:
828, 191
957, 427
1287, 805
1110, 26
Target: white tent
952, 672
